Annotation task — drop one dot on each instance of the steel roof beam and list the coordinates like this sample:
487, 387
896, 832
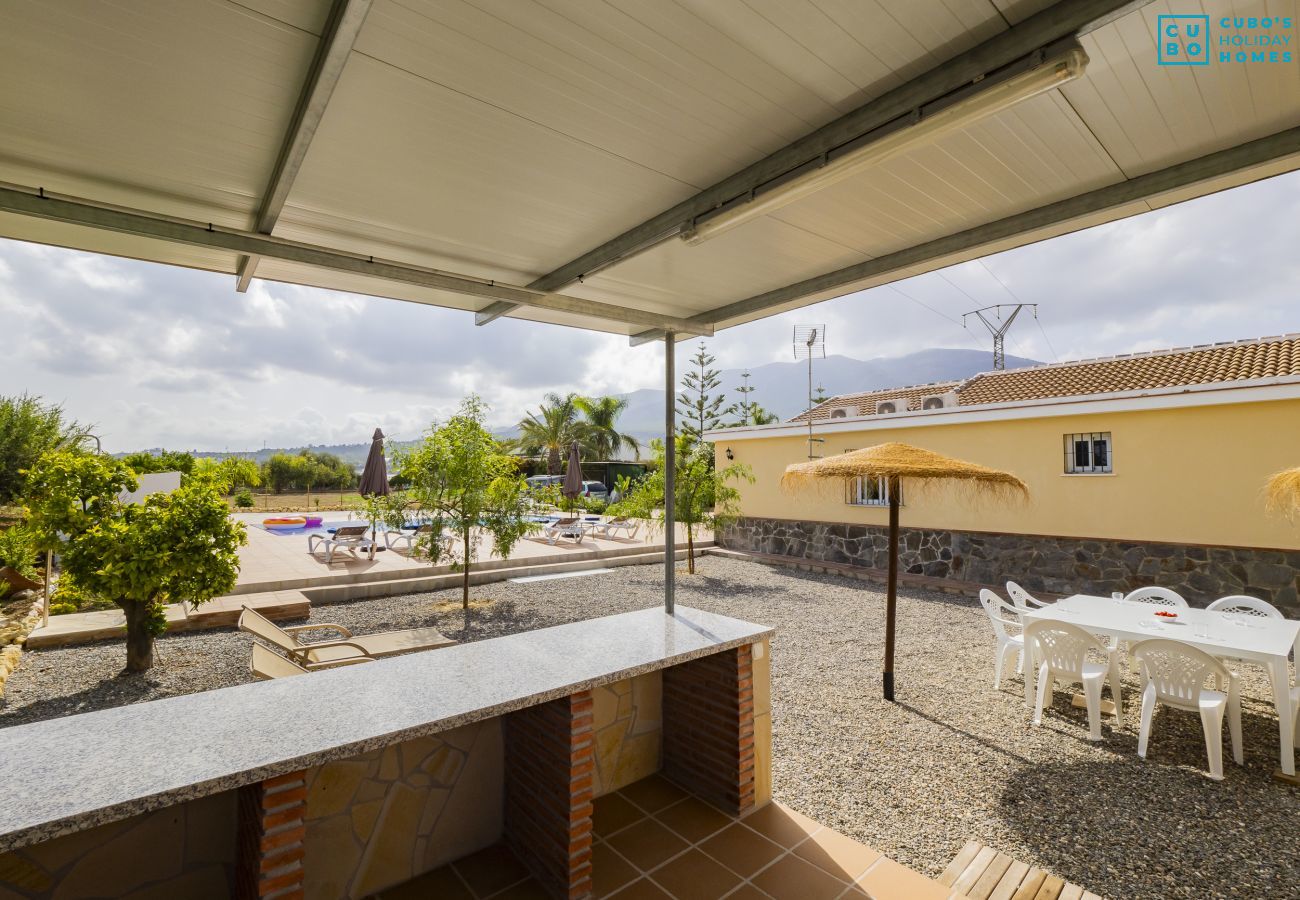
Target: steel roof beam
1064, 19
75, 211
1205, 168
336, 42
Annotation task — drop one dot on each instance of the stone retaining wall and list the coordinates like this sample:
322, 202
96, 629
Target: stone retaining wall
1061, 565
17, 619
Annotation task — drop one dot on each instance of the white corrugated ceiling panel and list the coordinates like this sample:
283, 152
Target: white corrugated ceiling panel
178, 108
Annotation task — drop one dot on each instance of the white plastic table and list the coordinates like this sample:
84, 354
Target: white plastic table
1260, 640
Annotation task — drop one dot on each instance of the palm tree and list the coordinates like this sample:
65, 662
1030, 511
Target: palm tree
760, 416
551, 429
601, 414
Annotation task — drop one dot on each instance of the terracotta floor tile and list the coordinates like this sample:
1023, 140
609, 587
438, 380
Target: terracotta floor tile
791, 878
644, 889
441, 882
609, 871
612, 813
741, 850
524, 890
647, 844
653, 793
693, 819
694, 876
887, 880
781, 823
841, 856
491, 870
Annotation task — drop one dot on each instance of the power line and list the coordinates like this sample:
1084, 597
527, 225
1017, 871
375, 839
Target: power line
939, 313
999, 330
994, 275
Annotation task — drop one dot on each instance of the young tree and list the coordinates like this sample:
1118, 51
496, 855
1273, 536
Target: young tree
463, 477
386, 510
230, 472
705, 495
699, 408
144, 462
171, 547
820, 396
601, 415
28, 429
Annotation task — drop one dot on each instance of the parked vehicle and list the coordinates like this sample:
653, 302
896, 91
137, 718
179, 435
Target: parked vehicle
595, 489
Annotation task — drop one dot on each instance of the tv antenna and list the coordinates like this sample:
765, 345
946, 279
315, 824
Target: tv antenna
1000, 329
810, 343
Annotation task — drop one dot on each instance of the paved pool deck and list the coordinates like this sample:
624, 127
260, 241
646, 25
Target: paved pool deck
282, 581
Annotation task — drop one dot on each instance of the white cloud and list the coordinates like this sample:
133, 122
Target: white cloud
162, 356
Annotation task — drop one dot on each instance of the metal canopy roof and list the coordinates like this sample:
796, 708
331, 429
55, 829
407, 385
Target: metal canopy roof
539, 159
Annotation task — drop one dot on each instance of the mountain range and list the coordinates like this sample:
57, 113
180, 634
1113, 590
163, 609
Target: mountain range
780, 387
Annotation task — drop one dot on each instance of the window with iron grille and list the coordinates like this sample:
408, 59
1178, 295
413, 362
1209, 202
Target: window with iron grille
870, 492
1088, 454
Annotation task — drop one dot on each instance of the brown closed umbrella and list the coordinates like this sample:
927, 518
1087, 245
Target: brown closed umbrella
896, 463
572, 486
374, 476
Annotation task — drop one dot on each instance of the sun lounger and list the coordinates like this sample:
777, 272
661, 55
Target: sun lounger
569, 528
347, 537
412, 537
266, 664
616, 525
351, 647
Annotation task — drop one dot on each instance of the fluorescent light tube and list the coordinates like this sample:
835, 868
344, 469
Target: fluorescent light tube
997, 96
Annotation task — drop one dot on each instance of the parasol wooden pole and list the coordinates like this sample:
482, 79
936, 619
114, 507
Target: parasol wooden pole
891, 596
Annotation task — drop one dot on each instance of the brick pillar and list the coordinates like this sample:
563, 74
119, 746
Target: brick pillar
271, 832
549, 760
708, 716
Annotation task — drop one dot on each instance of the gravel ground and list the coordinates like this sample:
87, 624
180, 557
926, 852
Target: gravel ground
952, 760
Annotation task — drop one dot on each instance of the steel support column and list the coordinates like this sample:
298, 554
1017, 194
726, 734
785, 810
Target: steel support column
670, 471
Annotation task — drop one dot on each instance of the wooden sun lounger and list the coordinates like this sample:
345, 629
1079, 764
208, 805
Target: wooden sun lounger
351, 647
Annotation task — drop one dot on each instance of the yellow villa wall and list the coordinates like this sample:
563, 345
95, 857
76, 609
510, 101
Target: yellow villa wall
1190, 475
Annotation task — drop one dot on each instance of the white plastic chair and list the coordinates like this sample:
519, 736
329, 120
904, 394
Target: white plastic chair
1241, 605
1157, 596
1174, 674
1247, 606
1022, 599
1058, 651
1004, 616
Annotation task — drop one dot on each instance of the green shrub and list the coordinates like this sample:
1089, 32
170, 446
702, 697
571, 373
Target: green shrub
70, 597
244, 499
18, 549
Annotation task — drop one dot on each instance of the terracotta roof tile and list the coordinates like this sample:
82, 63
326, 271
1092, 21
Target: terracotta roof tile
1237, 361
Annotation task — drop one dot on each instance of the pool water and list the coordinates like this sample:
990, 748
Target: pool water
322, 528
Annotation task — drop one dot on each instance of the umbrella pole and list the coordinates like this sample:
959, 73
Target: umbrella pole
891, 596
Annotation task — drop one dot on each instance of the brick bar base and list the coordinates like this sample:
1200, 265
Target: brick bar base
708, 716
549, 760
271, 832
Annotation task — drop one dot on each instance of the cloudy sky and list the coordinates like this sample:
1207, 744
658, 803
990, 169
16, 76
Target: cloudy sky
160, 356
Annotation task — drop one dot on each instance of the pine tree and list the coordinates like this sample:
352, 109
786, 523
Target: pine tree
821, 396
699, 408
745, 404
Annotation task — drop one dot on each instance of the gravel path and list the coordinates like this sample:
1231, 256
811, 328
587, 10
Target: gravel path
952, 760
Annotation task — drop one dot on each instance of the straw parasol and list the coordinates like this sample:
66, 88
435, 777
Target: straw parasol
897, 463
1283, 492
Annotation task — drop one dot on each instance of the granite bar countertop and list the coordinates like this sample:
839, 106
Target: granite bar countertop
65, 775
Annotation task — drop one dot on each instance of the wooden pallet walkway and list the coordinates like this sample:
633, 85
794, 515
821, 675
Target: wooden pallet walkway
982, 873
